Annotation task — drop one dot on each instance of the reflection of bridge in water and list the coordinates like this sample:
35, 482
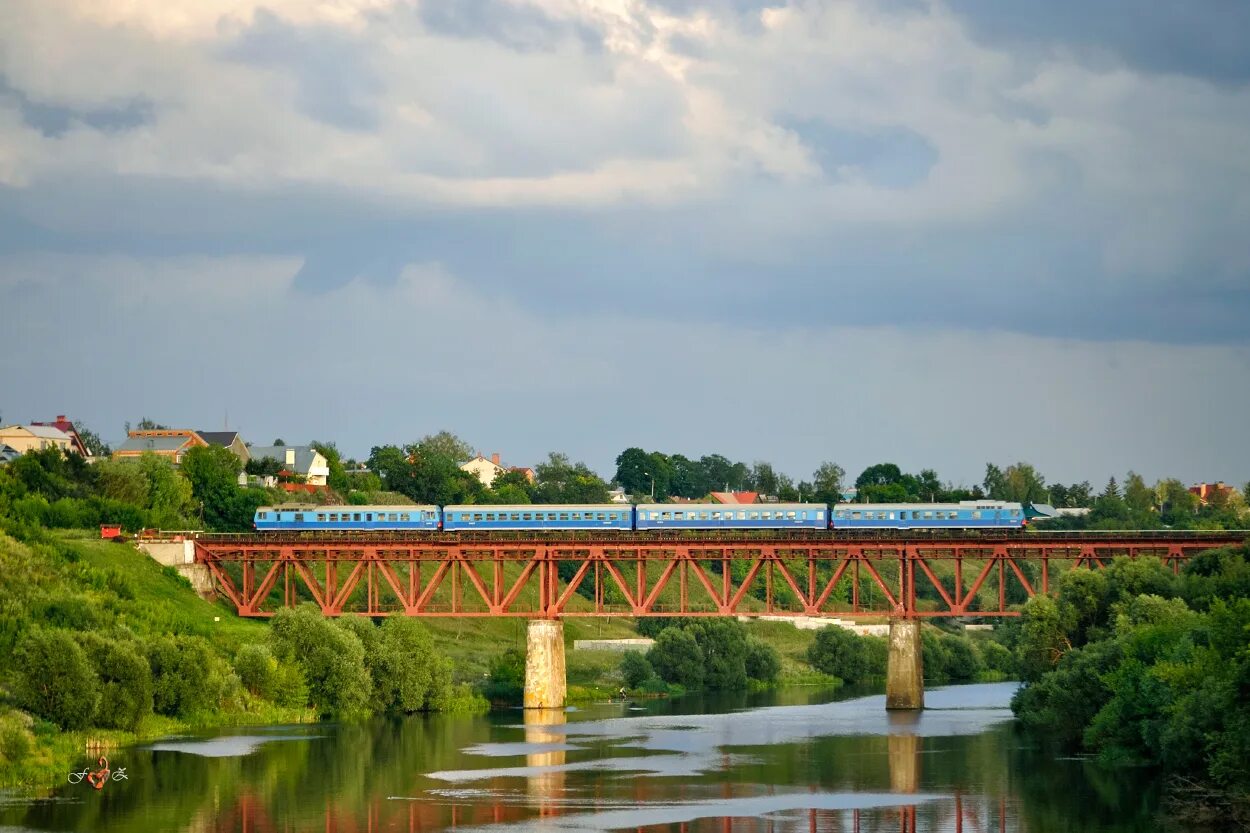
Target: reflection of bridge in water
655, 575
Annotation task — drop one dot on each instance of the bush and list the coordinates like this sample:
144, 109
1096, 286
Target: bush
185, 675
840, 653
723, 643
54, 679
410, 675
635, 669
506, 681
997, 658
125, 682
16, 741
762, 662
676, 657
257, 670
331, 657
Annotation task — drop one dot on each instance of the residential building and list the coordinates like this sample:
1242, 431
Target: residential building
228, 440
302, 461
484, 470
618, 496
170, 443
735, 497
8, 454
66, 427
34, 437
528, 473
1206, 492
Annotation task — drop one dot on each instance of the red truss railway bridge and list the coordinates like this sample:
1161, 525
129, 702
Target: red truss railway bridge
546, 577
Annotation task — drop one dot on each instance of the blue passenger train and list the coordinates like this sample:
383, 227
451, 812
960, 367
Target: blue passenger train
969, 514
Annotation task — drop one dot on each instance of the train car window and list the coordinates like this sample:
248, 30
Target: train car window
791, 516
403, 516
477, 516
820, 514
368, 516
299, 517
755, 516
262, 515
928, 516
855, 516
667, 516
976, 514
321, 518
564, 516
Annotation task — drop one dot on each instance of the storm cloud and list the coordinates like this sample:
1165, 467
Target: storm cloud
859, 206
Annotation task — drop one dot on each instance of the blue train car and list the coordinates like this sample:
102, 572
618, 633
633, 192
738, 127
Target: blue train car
307, 517
968, 514
728, 516
614, 516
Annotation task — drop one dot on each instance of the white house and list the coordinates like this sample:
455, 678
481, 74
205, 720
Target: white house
484, 470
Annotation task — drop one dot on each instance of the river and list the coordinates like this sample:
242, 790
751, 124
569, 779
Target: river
791, 760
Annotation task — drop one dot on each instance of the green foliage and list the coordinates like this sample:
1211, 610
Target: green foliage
125, 681
723, 644
997, 657
763, 663
506, 679
1158, 681
1043, 638
53, 679
949, 657
337, 478
676, 657
840, 653
408, 674
559, 480
213, 472
257, 669
330, 656
635, 669
186, 677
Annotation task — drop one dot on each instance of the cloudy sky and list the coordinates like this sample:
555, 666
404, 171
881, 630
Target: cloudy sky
937, 233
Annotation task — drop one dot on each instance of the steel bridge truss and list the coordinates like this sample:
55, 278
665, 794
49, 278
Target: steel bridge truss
688, 577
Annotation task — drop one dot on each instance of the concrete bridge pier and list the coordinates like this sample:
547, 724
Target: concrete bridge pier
904, 675
545, 681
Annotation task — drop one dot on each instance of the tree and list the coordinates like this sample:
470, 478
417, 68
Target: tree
337, 477
1139, 497
827, 482
635, 669
676, 657
122, 480
721, 473
1043, 640
92, 442
169, 491
723, 645
688, 478
840, 653
213, 472
762, 662
562, 481
411, 676
53, 679
447, 445
631, 471
125, 681
764, 478
995, 482
1023, 484
185, 676
331, 657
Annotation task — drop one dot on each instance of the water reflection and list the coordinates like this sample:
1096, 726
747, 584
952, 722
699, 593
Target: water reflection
831, 766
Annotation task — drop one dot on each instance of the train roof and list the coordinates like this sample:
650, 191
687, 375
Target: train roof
536, 507
326, 507
946, 507
720, 507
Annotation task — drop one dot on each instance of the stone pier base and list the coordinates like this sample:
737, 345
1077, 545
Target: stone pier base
545, 685
904, 677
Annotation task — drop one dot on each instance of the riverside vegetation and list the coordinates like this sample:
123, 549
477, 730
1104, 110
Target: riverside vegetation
1143, 667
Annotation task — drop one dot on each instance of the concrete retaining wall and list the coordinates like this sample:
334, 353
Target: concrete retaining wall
621, 645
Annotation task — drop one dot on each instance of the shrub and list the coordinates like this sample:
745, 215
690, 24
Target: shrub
185, 677
411, 676
762, 662
998, 658
840, 653
331, 657
16, 741
54, 679
506, 681
635, 669
723, 644
125, 682
676, 658
257, 670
